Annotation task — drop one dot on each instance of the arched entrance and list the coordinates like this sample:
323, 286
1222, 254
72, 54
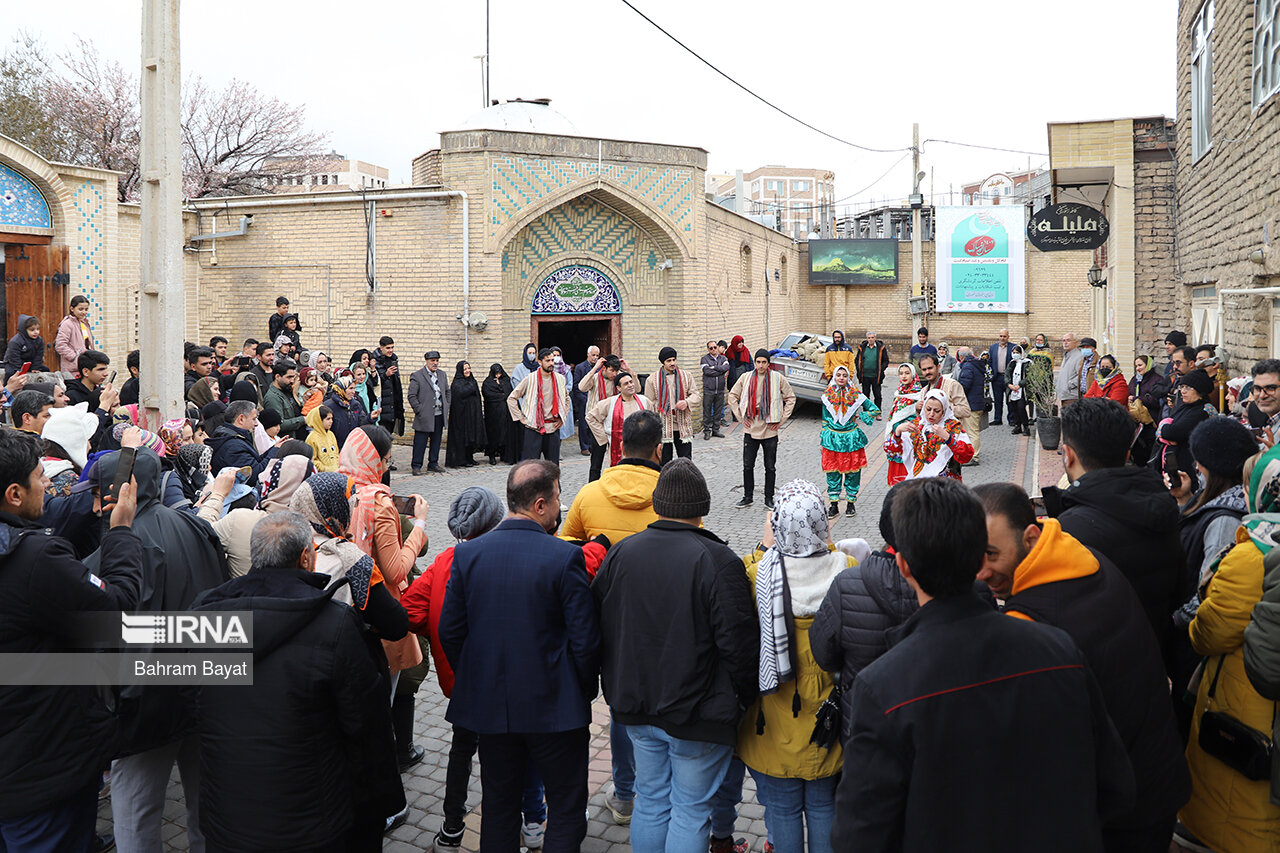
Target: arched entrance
575, 307
35, 273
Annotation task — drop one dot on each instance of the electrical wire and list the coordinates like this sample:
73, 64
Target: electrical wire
753, 94
782, 205
984, 147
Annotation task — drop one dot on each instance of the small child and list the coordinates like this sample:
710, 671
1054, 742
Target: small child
264, 435
322, 439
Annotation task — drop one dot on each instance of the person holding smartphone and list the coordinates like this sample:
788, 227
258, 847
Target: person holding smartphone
95, 387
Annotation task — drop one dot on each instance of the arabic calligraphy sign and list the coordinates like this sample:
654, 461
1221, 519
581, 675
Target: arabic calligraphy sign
1067, 226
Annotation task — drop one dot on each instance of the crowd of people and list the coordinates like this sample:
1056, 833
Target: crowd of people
1102, 665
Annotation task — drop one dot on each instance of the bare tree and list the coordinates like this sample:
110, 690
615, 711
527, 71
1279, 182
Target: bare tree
231, 137
87, 113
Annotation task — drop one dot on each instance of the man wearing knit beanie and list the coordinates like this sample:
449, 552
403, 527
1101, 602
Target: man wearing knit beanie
1173, 341
679, 699
672, 391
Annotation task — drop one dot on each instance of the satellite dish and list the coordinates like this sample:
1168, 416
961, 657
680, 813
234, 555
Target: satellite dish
478, 320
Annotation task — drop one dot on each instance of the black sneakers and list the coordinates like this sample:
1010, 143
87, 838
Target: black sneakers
834, 509
744, 503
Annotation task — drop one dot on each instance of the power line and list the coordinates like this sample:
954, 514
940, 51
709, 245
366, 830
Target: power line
783, 205
753, 94
985, 147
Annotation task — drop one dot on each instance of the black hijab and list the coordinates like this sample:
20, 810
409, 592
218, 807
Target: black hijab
530, 362
494, 385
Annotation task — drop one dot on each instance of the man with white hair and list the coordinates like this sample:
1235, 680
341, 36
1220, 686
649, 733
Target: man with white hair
1068, 384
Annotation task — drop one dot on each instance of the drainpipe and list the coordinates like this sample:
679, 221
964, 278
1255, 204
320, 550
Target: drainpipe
389, 195
1249, 291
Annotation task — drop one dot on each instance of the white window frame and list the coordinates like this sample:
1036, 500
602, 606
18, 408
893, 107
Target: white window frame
1202, 81
1266, 50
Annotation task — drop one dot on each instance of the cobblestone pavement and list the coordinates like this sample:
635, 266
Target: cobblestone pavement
1004, 457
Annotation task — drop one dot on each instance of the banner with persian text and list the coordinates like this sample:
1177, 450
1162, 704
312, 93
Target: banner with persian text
981, 259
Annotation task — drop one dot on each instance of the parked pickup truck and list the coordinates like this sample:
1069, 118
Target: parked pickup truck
805, 376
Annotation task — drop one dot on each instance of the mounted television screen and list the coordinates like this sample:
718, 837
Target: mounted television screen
853, 261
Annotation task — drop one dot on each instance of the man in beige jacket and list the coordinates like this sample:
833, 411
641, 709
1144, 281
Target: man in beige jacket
931, 378
762, 400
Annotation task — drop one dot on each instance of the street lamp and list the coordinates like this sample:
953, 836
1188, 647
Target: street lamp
1096, 279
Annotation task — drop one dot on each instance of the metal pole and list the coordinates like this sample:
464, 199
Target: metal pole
162, 300
917, 286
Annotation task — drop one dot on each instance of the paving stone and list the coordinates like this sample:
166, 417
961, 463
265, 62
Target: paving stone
1005, 457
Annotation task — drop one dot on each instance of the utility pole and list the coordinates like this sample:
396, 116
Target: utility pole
162, 299
917, 285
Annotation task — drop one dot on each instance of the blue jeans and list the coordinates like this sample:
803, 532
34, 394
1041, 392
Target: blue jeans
64, 825
790, 804
676, 781
624, 762
724, 805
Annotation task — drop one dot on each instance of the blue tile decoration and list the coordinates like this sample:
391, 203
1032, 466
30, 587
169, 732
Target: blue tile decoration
519, 183
579, 225
576, 289
21, 202
90, 257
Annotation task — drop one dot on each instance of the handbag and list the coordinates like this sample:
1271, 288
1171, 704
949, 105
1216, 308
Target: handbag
1138, 411
826, 728
1242, 748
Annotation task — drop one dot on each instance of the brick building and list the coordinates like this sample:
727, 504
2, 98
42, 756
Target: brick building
1228, 182
565, 239
800, 198
324, 173
1125, 168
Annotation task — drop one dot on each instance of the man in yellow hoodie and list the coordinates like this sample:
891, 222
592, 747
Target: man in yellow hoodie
1045, 575
619, 504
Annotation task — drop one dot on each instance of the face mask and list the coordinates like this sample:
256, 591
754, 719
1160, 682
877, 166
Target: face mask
1104, 372
1086, 351
557, 359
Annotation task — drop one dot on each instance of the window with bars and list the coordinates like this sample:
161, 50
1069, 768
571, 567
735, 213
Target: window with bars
1202, 81
1266, 50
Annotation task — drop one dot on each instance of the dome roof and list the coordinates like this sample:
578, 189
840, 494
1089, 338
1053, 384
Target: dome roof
520, 116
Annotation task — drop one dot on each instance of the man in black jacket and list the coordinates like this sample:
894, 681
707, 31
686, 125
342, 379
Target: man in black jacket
232, 443
1122, 512
199, 365
314, 730
1047, 576
92, 387
680, 699
387, 363
54, 741
863, 603
972, 711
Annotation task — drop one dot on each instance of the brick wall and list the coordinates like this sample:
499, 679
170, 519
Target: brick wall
1161, 301
1232, 193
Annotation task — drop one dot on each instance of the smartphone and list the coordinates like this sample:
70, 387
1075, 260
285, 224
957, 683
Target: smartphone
26, 365
112, 378
124, 470
404, 504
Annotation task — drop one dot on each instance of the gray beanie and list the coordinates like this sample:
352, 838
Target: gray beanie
474, 511
681, 491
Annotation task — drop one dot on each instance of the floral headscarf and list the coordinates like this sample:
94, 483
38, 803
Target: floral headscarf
342, 386
905, 399
171, 434
281, 479
842, 403
1262, 492
324, 501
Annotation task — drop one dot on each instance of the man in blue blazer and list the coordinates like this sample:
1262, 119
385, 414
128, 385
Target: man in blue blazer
999, 355
520, 630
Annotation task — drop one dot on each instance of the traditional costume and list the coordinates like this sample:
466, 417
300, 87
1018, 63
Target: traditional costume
925, 453
904, 407
665, 390
843, 441
605, 420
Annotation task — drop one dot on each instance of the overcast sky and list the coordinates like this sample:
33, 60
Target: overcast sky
384, 77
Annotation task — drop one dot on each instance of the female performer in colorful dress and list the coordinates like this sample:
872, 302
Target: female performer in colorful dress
930, 442
904, 407
843, 441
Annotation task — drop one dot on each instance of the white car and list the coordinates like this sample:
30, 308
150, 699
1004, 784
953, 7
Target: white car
805, 376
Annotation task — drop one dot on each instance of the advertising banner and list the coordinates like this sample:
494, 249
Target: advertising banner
981, 259
853, 261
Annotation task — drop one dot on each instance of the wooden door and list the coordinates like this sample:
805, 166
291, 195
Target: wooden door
37, 285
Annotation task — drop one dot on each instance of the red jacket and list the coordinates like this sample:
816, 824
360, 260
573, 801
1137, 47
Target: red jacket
1116, 387
424, 600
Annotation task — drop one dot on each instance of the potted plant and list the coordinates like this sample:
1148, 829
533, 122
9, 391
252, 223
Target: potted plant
1040, 392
